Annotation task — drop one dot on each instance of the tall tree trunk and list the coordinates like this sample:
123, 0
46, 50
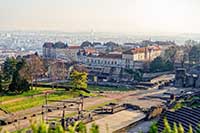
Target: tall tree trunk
36, 83
31, 84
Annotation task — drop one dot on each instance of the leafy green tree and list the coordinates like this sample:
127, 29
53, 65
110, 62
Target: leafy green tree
159, 65
194, 54
137, 74
153, 128
18, 83
156, 65
94, 128
81, 128
78, 80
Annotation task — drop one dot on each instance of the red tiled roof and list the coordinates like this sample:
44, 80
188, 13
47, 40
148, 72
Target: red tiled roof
142, 50
74, 47
90, 50
154, 47
139, 50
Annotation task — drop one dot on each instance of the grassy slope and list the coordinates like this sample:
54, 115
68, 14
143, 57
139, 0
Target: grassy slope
36, 101
11, 96
39, 100
32, 102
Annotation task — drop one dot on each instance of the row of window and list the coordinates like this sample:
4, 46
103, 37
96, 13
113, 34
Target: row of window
102, 62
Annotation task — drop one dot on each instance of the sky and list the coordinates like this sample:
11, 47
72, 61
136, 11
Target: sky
120, 16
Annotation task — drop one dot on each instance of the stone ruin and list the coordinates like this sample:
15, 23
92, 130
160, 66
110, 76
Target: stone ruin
188, 79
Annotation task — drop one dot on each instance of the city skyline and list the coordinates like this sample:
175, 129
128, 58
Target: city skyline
122, 16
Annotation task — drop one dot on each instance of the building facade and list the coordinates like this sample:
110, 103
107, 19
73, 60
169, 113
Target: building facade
60, 51
145, 54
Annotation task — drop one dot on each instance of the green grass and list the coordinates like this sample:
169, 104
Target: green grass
35, 101
102, 88
40, 100
35, 91
10, 96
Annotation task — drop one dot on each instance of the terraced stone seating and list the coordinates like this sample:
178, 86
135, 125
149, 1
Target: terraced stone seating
186, 116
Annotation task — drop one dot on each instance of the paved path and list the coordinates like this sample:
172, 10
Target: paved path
117, 121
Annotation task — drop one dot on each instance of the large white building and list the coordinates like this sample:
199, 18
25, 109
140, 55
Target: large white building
115, 63
111, 64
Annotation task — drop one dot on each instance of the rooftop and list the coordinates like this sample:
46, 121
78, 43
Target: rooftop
74, 47
142, 49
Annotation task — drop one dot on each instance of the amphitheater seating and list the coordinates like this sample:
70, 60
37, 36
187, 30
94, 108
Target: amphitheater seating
186, 116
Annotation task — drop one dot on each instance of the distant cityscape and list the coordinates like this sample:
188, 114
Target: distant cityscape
13, 43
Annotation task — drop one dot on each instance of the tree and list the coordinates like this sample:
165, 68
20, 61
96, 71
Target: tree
136, 74
94, 128
198, 129
9, 67
156, 65
170, 54
80, 68
1, 87
194, 54
167, 126
190, 129
153, 128
81, 128
18, 84
180, 128
175, 129
33, 69
78, 80
159, 65
57, 71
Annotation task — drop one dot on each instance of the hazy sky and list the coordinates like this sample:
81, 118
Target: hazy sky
147, 16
